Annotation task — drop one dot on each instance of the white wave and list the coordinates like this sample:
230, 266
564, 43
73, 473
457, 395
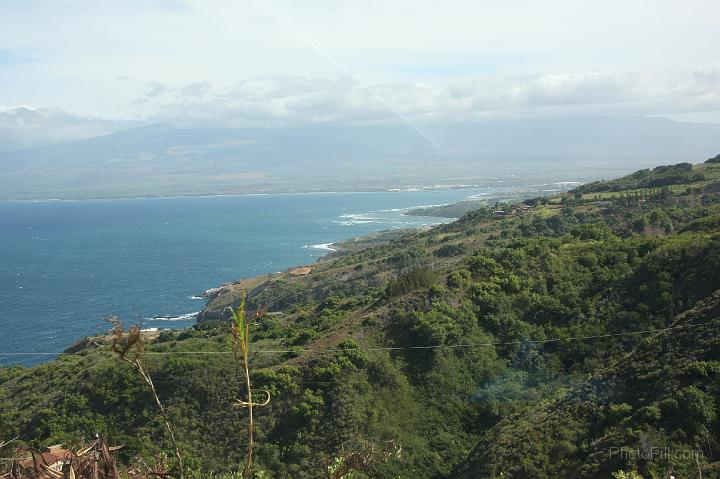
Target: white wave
182, 317
350, 219
366, 216
386, 217
324, 247
397, 210
392, 210
196, 297
477, 196
149, 330
358, 222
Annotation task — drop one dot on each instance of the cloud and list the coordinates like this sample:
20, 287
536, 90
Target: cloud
292, 100
69, 54
24, 127
269, 101
195, 89
707, 80
153, 91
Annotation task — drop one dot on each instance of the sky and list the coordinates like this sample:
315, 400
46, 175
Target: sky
82, 67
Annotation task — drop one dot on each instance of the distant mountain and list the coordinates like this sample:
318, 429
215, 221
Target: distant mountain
167, 160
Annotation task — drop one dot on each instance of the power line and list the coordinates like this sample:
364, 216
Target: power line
400, 348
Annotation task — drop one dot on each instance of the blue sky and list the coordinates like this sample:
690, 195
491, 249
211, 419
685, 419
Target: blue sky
267, 62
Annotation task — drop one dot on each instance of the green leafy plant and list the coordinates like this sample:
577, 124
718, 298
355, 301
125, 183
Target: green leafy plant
240, 334
626, 475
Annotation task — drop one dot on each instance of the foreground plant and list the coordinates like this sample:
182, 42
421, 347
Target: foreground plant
361, 459
129, 346
94, 461
241, 347
626, 475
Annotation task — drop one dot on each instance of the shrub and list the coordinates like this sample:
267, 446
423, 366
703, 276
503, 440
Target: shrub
411, 281
450, 250
459, 278
406, 258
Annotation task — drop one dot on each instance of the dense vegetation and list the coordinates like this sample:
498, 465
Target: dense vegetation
455, 210
679, 174
568, 340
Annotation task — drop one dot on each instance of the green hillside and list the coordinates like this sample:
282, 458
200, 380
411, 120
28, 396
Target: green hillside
567, 338
673, 176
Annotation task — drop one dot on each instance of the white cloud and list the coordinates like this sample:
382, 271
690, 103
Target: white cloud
295, 100
70, 54
196, 89
24, 127
287, 100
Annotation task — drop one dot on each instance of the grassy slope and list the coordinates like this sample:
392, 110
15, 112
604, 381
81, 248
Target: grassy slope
571, 267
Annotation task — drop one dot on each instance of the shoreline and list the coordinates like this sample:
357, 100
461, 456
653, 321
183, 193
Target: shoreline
473, 183
408, 189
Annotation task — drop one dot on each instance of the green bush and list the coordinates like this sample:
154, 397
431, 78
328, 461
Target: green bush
411, 281
448, 250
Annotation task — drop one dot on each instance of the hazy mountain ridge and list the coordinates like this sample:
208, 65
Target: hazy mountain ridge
167, 160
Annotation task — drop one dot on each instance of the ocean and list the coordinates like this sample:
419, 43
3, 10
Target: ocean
66, 265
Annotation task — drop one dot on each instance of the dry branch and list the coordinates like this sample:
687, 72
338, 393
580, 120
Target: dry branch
129, 346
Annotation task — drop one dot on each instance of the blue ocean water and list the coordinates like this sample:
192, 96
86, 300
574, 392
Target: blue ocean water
65, 265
